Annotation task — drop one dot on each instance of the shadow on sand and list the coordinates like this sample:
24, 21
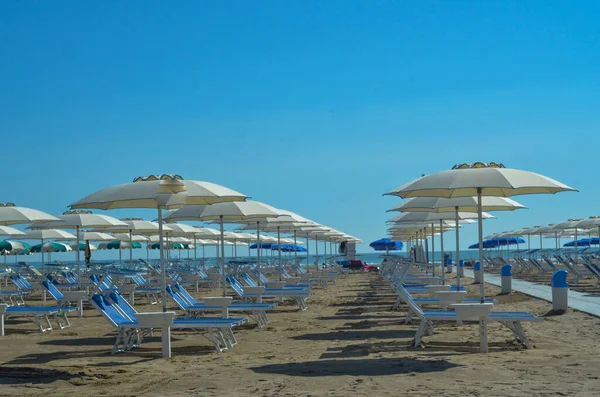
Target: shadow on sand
356, 367
358, 335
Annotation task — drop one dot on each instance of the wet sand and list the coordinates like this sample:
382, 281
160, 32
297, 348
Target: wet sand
349, 342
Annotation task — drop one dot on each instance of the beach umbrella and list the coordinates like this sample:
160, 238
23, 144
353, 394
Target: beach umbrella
569, 225
480, 179
77, 219
160, 192
50, 247
13, 248
386, 244
13, 215
96, 236
82, 246
7, 231
253, 211
138, 226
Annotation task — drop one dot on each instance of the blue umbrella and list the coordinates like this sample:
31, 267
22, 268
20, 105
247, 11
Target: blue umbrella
386, 244
584, 242
262, 246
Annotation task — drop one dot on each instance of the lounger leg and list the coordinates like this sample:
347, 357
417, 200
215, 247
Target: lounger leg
419, 334
214, 340
1, 324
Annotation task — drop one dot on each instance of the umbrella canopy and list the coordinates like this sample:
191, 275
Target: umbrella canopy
487, 179
97, 236
138, 225
127, 237
411, 217
51, 247
14, 247
386, 244
231, 211
586, 242
167, 191
10, 231
13, 215
117, 244
182, 230
80, 220
82, 246
464, 204
498, 242
49, 234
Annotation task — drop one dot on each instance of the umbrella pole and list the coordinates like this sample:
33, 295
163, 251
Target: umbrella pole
541, 245
480, 230
295, 249
317, 253
130, 248
279, 251
163, 267
203, 256
43, 273
576, 245
77, 256
442, 252
258, 249
433, 247
307, 255
223, 256
457, 249
195, 250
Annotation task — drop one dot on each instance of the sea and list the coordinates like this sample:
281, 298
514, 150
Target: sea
366, 257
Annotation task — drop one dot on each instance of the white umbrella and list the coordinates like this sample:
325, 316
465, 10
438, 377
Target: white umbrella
97, 236
75, 245
139, 226
13, 215
571, 224
160, 192
480, 179
79, 220
10, 231
48, 234
232, 211
456, 205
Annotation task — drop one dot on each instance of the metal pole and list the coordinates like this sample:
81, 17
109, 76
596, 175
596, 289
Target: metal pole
223, 256
433, 247
279, 251
295, 249
258, 249
480, 219
457, 249
130, 248
78, 257
317, 252
163, 268
442, 252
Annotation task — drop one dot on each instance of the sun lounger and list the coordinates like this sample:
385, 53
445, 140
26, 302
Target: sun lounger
193, 308
130, 333
428, 318
257, 293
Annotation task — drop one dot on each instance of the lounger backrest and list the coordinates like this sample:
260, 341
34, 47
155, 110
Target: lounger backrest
186, 295
249, 280
123, 305
407, 297
68, 278
16, 281
177, 298
53, 291
235, 286
26, 284
109, 311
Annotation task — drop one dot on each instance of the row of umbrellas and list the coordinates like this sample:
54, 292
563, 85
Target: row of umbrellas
448, 198
186, 200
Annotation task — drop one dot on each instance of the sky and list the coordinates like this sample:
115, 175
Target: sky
317, 107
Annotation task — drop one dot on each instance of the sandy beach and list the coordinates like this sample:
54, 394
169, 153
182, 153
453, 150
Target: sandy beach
349, 342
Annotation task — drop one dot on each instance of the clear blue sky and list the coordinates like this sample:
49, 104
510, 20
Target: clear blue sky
317, 107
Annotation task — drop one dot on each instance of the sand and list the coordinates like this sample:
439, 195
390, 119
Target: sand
349, 342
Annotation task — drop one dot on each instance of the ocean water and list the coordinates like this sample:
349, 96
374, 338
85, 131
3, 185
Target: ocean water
369, 257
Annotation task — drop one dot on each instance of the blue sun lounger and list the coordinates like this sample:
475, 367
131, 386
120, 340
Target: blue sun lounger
122, 317
428, 318
298, 296
257, 311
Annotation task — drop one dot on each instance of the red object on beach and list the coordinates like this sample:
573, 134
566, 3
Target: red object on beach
355, 264
370, 268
